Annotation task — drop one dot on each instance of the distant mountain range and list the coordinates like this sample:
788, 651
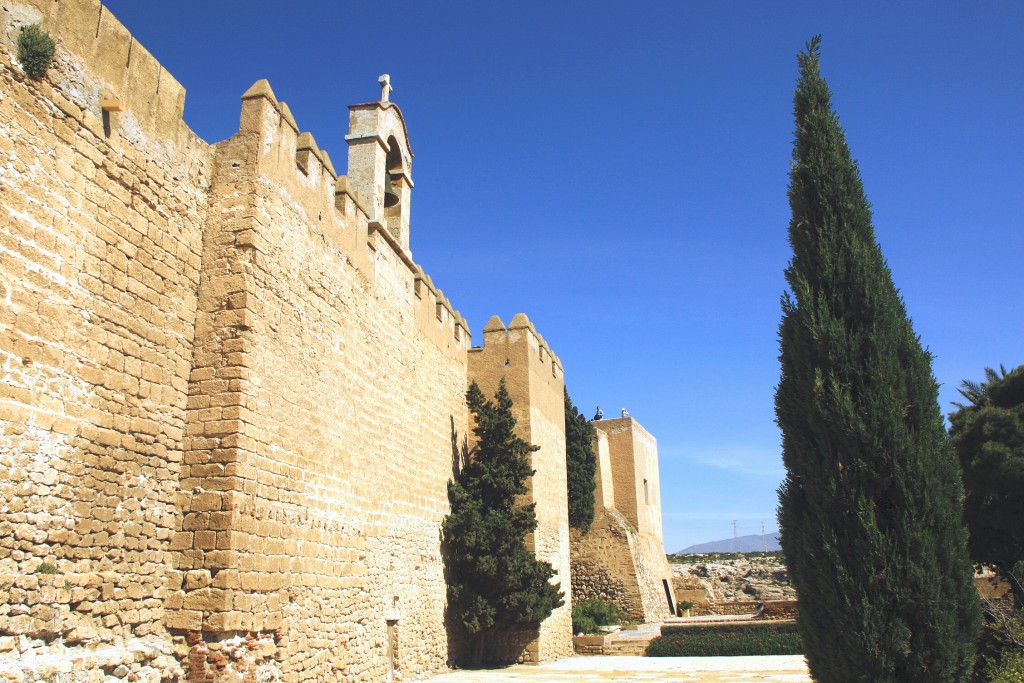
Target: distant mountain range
748, 544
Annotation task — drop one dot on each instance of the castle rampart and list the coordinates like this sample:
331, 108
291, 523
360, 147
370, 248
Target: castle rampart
229, 395
104, 62
100, 257
535, 382
324, 531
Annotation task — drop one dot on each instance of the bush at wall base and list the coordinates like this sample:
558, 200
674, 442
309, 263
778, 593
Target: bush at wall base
589, 615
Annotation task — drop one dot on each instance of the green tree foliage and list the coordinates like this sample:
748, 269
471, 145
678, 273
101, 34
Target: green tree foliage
589, 615
495, 583
35, 51
581, 466
1010, 670
870, 510
988, 435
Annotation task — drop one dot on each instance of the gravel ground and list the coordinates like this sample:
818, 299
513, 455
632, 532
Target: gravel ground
773, 669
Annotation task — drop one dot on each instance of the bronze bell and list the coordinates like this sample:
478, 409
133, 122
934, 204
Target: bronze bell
390, 197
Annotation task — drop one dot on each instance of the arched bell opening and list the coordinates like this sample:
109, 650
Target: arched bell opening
396, 192
393, 168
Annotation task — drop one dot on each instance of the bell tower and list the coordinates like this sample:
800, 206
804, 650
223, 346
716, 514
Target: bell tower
380, 161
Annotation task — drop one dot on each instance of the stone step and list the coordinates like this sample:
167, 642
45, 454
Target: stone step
627, 648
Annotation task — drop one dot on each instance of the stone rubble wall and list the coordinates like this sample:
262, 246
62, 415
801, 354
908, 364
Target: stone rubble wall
602, 565
778, 610
616, 563
615, 560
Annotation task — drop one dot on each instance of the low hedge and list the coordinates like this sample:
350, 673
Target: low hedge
726, 640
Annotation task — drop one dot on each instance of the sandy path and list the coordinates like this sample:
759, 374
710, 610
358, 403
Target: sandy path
774, 669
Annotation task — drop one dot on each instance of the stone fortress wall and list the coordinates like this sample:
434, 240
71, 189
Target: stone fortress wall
229, 398
219, 362
535, 380
303, 520
101, 250
622, 557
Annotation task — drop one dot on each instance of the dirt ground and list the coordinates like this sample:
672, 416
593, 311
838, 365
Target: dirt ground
774, 669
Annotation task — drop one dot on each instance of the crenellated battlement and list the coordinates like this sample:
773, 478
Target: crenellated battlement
143, 98
276, 149
433, 307
521, 341
131, 92
273, 147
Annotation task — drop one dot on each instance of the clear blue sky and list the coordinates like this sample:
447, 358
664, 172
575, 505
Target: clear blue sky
618, 171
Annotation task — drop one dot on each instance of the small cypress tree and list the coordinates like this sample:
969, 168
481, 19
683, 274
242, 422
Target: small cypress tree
581, 466
871, 507
496, 584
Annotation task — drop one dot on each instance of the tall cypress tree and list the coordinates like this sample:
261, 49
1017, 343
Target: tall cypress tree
581, 466
496, 584
870, 510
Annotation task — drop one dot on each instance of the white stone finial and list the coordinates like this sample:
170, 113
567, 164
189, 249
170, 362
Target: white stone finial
385, 87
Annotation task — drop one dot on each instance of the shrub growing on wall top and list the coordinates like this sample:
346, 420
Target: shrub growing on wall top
35, 51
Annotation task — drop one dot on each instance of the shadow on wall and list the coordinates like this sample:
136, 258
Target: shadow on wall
460, 452
458, 639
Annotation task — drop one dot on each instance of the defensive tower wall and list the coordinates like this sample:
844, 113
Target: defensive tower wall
633, 455
622, 557
535, 380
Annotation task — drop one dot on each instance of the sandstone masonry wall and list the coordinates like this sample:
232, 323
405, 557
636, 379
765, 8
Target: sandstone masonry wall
99, 267
230, 399
535, 381
313, 392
